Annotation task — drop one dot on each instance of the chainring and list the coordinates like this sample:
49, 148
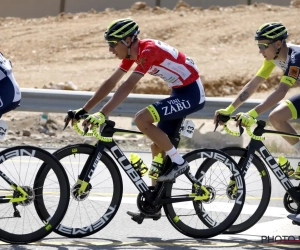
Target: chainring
289, 204
144, 206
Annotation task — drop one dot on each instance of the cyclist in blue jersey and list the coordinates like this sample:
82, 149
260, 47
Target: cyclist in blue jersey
10, 94
272, 45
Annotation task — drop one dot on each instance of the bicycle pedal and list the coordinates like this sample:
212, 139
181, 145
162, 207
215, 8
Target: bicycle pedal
138, 219
296, 223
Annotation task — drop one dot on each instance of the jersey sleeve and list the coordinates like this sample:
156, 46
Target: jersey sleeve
126, 64
266, 69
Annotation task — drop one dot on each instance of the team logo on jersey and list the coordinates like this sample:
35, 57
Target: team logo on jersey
141, 61
153, 71
294, 71
175, 106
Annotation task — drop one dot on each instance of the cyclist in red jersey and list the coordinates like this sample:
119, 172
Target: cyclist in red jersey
158, 59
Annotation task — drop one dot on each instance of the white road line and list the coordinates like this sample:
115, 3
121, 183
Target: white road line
279, 212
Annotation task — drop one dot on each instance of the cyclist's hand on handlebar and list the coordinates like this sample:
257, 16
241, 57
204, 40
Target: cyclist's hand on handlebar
73, 115
79, 113
228, 111
247, 119
95, 119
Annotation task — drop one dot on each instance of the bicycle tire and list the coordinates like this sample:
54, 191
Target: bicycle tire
88, 216
204, 223
243, 222
25, 226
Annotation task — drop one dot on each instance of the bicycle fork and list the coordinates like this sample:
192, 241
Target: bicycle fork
82, 187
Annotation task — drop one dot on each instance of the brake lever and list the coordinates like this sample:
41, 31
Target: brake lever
241, 129
70, 115
222, 118
85, 131
217, 123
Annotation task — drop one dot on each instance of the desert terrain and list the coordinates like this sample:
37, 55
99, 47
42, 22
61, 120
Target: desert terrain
71, 48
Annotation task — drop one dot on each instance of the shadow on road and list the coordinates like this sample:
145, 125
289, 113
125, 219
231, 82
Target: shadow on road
155, 243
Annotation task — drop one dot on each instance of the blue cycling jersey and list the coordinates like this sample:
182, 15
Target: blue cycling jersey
10, 94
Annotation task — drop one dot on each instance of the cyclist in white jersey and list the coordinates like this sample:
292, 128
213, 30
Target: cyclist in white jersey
158, 59
10, 94
272, 45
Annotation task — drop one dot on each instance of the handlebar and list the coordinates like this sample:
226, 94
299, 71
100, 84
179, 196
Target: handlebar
71, 115
225, 119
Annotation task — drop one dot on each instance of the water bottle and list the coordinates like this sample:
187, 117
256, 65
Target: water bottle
155, 169
138, 164
285, 166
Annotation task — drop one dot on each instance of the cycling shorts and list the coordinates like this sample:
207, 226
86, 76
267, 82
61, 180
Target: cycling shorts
183, 101
9, 95
294, 105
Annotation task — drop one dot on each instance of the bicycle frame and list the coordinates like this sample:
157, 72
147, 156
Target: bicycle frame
10, 198
258, 146
155, 197
15, 187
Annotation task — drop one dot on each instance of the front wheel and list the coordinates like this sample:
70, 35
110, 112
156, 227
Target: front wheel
90, 212
210, 217
258, 190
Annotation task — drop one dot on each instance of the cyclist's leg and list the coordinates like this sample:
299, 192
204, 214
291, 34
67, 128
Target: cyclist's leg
168, 113
287, 110
279, 118
169, 127
182, 102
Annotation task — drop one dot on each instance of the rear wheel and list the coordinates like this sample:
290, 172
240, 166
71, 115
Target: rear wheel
204, 219
20, 221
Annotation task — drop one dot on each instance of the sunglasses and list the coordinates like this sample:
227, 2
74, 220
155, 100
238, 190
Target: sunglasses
112, 44
264, 46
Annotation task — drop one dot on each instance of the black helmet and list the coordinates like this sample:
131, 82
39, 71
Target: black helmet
120, 29
271, 31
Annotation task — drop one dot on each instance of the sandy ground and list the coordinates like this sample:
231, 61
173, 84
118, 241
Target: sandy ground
70, 47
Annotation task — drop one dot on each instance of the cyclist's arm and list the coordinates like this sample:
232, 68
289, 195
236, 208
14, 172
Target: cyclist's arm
273, 99
247, 91
263, 73
106, 87
287, 81
121, 93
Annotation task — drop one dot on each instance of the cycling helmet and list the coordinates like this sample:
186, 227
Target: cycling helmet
271, 31
120, 29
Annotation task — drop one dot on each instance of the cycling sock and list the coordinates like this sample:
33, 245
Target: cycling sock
175, 156
297, 147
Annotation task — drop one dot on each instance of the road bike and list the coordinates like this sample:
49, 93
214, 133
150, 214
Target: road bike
97, 188
29, 193
254, 161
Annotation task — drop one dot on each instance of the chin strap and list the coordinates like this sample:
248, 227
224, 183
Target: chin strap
277, 50
129, 45
128, 48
